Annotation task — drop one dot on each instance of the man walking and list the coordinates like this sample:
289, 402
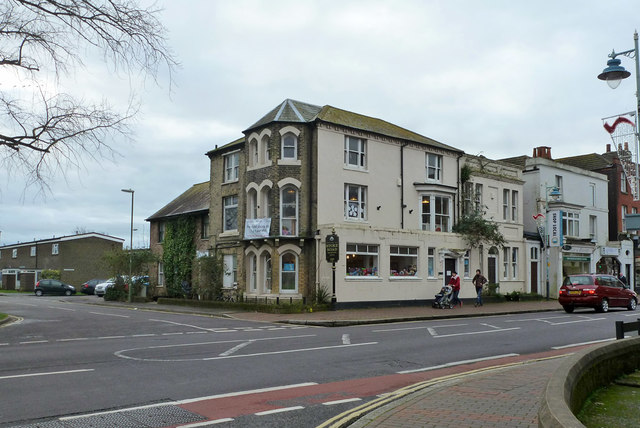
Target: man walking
479, 281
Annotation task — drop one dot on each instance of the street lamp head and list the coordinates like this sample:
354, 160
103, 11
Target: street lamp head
614, 73
127, 190
555, 193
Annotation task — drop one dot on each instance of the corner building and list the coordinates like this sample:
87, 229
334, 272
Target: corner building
304, 171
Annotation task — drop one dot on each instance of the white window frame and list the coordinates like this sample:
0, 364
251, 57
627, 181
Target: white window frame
253, 273
434, 217
593, 227
160, 274
204, 226
514, 205
571, 223
14, 253
366, 250
294, 272
431, 262
294, 138
55, 249
229, 206
506, 259
230, 271
289, 222
266, 150
161, 227
623, 182
506, 193
252, 204
231, 167
267, 272
405, 253
514, 262
466, 262
360, 152
254, 160
355, 209
624, 211
593, 194
433, 167
33, 251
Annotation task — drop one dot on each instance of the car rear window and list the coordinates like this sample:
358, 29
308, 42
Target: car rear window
578, 280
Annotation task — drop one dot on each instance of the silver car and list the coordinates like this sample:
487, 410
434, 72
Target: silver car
101, 288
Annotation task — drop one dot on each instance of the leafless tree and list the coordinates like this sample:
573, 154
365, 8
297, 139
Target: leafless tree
45, 130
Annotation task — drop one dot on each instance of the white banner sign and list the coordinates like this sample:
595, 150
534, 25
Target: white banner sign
257, 228
555, 228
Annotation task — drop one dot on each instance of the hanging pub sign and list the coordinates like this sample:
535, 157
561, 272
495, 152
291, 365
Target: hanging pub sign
332, 245
555, 228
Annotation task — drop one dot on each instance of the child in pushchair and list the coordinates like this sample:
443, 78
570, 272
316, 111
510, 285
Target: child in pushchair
443, 298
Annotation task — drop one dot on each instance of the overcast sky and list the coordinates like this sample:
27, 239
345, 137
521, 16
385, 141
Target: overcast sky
496, 78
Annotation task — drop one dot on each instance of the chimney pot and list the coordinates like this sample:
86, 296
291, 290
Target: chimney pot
608, 147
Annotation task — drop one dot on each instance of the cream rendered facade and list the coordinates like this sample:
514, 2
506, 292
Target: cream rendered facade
391, 195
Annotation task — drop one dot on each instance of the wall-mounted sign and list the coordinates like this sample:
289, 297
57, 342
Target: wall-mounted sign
332, 245
555, 228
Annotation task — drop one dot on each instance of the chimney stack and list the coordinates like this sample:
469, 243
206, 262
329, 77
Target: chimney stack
608, 147
542, 152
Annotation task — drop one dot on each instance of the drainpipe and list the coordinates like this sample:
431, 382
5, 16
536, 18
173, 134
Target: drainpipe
402, 204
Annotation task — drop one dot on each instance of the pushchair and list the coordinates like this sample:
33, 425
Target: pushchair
443, 298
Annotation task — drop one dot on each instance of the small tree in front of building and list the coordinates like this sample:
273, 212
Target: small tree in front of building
207, 276
118, 262
50, 274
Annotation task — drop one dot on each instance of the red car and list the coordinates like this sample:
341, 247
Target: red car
597, 291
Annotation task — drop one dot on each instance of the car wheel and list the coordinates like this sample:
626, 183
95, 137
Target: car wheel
632, 304
38, 292
604, 306
67, 293
568, 309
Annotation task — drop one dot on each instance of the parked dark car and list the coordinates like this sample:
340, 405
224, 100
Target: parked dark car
597, 291
53, 286
89, 286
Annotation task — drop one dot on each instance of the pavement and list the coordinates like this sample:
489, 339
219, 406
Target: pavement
505, 394
490, 395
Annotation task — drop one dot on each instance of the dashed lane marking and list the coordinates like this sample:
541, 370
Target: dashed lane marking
110, 315
281, 410
346, 400
45, 374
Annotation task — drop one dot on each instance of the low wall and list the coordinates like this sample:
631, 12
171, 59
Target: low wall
580, 375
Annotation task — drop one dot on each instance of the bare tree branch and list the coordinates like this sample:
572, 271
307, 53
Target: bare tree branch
46, 133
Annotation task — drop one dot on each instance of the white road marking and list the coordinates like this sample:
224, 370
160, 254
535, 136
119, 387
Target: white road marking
72, 339
458, 363
144, 335
111, 337
583, 343
289, 351
4, 344
284, 409
62, 309
109, 315
416, 328
346, 339
182, 324
33, 341
172, 334
489, 325
475, 332
346, 400
205, 423
235, 348
189, 400
46, 373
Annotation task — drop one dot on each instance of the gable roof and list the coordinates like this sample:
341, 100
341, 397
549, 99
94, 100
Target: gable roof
590, 162
291, 111
195, 200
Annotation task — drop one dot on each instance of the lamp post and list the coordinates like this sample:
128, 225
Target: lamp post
130, 245
614, 73
555, 195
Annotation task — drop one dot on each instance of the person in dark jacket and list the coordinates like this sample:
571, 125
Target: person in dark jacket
479, 281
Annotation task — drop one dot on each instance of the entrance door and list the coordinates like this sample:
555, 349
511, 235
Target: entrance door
449, 267
534, 277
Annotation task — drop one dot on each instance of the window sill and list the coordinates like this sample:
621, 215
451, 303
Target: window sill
295, 162
230, 181
228, 233
362, 278
355, 168
405, 278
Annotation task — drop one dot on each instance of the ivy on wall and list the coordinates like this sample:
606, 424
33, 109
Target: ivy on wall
179, 251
